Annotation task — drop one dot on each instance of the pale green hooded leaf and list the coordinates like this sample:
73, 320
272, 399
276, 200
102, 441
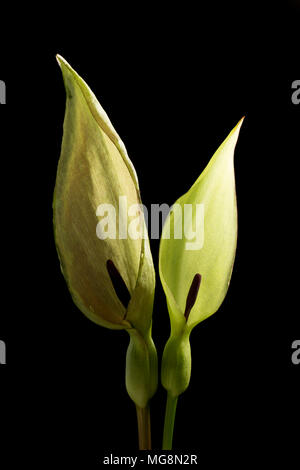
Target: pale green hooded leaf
180, 259
94, 169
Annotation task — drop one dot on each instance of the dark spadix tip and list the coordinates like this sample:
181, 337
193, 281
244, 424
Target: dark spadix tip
118, 283
192, 295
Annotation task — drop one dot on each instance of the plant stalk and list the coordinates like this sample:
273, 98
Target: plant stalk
169, 422
144, 427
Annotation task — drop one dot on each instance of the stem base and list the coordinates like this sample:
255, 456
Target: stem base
169, 422
144, 427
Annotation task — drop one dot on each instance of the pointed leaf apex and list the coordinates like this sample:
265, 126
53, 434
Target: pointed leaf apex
235, 131
61, 60
239, 125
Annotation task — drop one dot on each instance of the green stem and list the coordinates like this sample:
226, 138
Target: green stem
169, 422
144, 427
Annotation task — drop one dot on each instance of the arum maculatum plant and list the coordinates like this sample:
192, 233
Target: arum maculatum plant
196, 278
111, 281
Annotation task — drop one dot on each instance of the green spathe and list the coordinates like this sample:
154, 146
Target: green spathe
215, 190
93, 169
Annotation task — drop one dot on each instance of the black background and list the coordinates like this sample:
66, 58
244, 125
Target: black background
173, 90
